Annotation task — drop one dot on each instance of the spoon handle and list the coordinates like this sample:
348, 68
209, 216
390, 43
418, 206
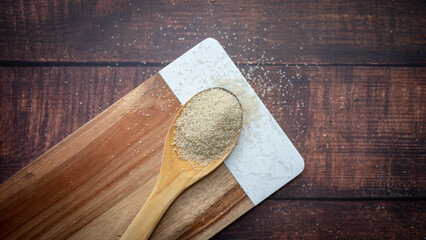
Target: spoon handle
154, 208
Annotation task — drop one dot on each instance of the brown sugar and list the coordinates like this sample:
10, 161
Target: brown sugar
208, 126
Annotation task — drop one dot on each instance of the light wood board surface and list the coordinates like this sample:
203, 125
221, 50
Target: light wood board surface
345, 80
91, 184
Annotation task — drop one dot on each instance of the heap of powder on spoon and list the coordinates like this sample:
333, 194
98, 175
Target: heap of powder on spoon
208, 126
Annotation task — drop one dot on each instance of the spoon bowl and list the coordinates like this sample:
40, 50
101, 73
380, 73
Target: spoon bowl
176, 175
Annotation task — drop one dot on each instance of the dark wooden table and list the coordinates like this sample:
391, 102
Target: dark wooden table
346, 80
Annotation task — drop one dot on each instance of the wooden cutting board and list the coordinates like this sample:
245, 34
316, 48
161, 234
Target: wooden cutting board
92, 184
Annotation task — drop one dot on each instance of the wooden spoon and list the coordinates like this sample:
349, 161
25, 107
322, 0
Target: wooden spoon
175, 176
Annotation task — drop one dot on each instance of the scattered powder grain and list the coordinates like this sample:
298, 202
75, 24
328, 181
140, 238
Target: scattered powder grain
208, 126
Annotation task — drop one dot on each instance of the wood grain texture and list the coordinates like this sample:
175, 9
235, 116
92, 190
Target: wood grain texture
359, 127
108, 167
41, 106
297, 32
360, 130
177, 175
220, 201
92, 169
301, 219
